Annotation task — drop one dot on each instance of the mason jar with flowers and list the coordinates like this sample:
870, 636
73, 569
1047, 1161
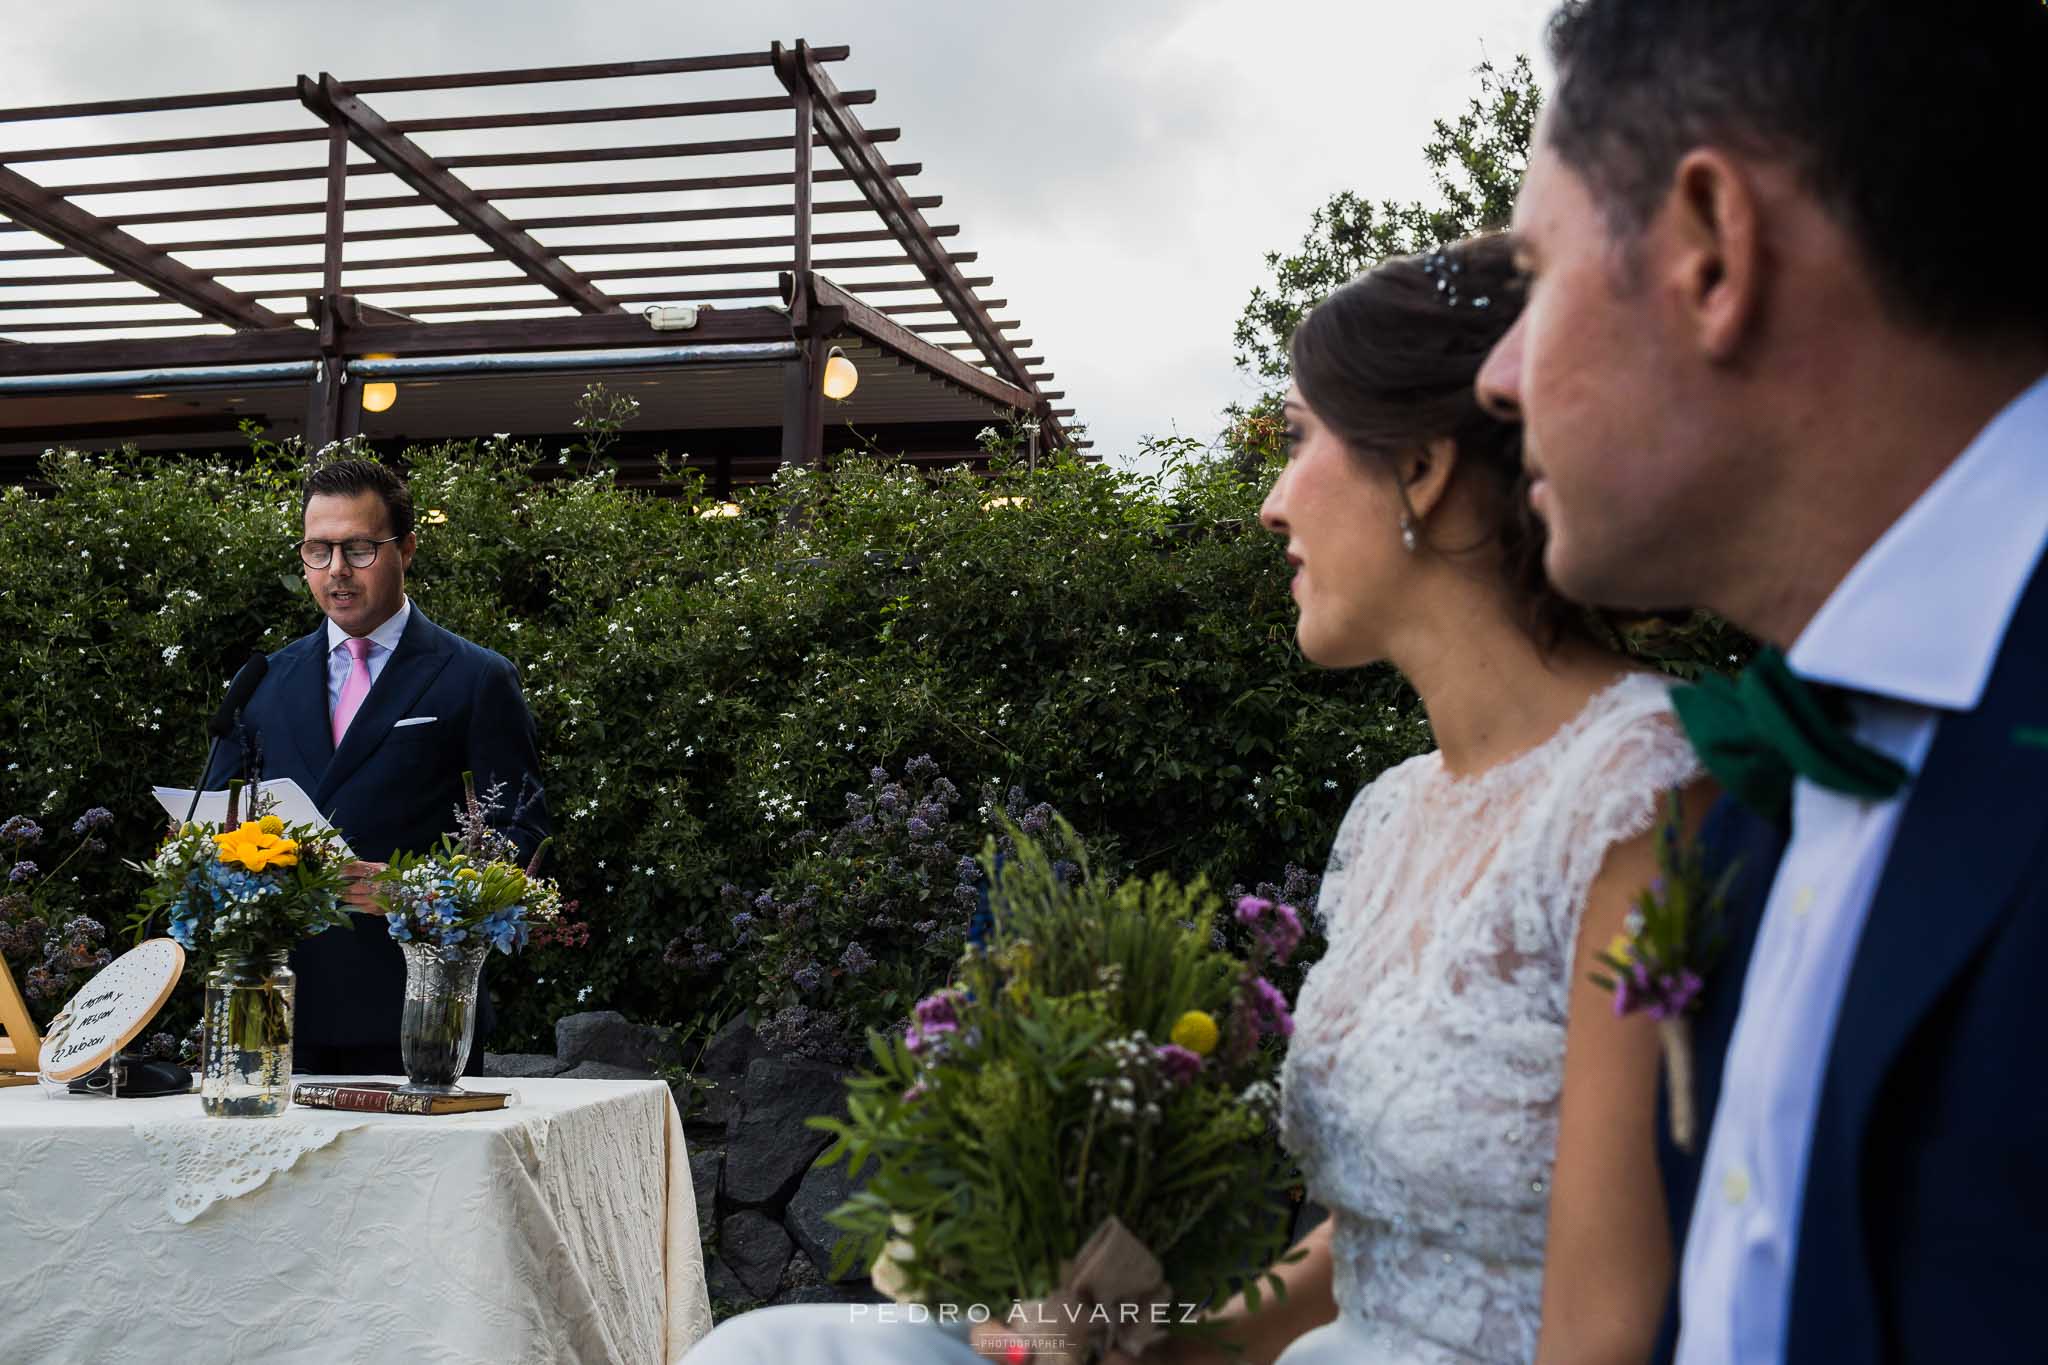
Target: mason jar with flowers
447, 909
239, 896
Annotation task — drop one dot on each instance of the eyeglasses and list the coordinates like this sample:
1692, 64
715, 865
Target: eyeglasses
357, 554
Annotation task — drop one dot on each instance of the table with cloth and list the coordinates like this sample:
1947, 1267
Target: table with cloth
562, 1228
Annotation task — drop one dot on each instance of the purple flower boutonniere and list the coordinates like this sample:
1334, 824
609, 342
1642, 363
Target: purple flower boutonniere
1661, 961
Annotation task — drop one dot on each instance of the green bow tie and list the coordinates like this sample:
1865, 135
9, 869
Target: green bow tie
1756, 733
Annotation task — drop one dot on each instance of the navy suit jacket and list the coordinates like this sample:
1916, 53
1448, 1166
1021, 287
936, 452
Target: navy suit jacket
388, 789
1921, 1237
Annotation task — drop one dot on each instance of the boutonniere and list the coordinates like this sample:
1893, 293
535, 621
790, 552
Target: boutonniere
1660, 962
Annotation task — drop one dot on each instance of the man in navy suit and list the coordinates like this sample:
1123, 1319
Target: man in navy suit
1782, 357
377, 714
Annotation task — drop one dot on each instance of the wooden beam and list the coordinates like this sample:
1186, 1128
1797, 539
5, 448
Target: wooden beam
836, 120
643, 152
601, 71
613, 114
93, 237
145, 106
762, 180
403, 157
880, 330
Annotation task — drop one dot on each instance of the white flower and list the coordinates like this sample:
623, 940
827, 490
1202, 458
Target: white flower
171, 653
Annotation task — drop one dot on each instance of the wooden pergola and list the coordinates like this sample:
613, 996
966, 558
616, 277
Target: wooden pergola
477, 261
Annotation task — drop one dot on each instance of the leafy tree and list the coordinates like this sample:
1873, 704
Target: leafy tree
1475, 161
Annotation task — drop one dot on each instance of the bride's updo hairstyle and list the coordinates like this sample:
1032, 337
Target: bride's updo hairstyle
1387, 363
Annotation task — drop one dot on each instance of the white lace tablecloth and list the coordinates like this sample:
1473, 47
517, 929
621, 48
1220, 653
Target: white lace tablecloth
563, 1228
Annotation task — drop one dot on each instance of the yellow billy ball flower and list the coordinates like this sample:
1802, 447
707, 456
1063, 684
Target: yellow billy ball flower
271, 825
1196, 1032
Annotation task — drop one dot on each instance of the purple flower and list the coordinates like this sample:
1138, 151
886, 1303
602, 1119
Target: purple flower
19, 829
1675, 994
91, 820
939, 1012
890, 799
1065, 871
1278, 926
1270, 1006
855, 960
923, 766
916, 1092
22, 872
1178, 1064
809, 978
916, 828
968, 872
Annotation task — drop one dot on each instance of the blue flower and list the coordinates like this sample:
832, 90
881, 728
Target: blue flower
92, 820
809, 977
19, 829
22, 872
855, 960
400, 930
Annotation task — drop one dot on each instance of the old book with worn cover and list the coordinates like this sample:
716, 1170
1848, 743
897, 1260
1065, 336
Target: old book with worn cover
384, 1097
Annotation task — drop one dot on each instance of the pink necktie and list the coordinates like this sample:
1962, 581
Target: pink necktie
355, 689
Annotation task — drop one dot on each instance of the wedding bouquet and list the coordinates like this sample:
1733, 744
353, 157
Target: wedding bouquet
240, 894
1078, 1137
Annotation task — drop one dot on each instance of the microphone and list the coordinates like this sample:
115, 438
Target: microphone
223, 723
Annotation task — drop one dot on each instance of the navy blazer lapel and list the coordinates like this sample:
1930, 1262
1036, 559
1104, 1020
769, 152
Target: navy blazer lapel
1953, 868
422, 653
302, 685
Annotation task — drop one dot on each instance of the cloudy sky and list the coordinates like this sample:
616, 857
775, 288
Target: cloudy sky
1121, 166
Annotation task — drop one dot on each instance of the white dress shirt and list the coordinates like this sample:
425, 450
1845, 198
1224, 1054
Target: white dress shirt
1914, 629
383, 640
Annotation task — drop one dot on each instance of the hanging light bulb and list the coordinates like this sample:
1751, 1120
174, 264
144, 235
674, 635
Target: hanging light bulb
379, 397
840, 376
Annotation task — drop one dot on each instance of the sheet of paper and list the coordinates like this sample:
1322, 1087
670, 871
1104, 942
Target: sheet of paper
280, 796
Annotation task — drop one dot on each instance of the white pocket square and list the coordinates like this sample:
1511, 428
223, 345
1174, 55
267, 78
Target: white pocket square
413, 720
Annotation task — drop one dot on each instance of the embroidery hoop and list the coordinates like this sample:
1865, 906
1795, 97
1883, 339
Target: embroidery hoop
140, 980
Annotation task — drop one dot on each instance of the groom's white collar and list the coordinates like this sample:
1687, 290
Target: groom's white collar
1921, 616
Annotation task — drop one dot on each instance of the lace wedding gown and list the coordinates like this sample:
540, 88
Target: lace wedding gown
1421, 1086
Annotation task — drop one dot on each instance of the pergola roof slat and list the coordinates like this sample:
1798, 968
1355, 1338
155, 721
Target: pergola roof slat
403, 157
62, 221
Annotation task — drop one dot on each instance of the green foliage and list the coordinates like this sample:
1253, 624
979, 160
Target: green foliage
1475, 163
705, 687
1034, 1100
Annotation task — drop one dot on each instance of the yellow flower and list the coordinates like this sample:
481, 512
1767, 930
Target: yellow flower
270, 824
1620, 947
255, 849
467, 874
1196, 1032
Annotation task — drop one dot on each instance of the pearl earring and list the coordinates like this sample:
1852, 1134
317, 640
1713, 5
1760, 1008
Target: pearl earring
1407, 533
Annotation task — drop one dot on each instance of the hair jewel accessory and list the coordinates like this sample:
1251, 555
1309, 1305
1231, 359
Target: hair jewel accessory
1440, 267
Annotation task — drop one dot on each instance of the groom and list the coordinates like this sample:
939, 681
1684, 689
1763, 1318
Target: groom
377, 714
1784, 357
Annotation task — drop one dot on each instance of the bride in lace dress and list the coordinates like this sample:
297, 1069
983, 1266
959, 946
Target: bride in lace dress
1489, 1202
1458, 1093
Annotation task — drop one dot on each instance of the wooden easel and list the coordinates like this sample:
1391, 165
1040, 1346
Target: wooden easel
21, 1048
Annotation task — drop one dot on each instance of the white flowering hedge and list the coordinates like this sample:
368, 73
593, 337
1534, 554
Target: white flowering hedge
707, 686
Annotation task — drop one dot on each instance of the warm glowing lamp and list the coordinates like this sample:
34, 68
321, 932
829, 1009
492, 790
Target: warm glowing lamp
721, 509
840, 376
379, 397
